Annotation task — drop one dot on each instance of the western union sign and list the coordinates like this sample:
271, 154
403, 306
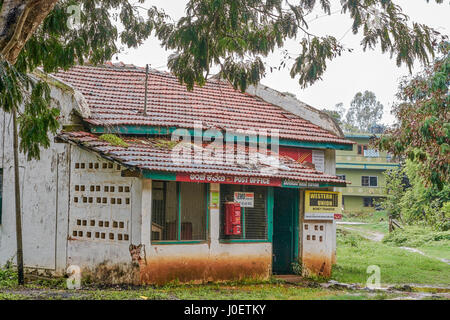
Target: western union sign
323, 205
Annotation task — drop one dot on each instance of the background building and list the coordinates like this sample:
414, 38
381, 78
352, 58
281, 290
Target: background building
364, 168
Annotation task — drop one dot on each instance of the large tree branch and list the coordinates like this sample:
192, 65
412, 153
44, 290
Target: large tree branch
10, 13
18, 21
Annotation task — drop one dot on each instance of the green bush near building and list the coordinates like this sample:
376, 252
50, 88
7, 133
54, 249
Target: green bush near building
413, 202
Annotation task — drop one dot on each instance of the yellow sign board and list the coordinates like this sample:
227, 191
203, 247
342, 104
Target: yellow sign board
323, 205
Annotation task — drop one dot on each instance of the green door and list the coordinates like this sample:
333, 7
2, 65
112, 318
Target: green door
285, 229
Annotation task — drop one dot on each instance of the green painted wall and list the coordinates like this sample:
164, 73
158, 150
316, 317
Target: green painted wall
354, 204
354, 176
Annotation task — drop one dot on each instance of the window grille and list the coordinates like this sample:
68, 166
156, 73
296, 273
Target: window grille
256, 217
254, 220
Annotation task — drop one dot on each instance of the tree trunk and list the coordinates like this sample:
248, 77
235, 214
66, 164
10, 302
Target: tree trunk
18, 21
18, 206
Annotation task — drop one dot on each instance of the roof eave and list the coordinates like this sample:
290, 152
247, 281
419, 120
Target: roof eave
154, 130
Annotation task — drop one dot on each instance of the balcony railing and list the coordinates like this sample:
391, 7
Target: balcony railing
371, 153
367, 158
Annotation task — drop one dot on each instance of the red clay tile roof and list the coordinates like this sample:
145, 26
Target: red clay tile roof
156, 154
116, 98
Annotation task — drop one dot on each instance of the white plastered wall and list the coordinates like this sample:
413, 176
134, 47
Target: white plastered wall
44, 186
105, 211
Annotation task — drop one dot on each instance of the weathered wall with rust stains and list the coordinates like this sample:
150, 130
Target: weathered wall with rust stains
201, 263
317, 247
205, 268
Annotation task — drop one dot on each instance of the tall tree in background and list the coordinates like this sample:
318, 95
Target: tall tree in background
234, 35
422, 133
363, 115
337, 113
365, 111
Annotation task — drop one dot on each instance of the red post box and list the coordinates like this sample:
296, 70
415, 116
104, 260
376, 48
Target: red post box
233, 219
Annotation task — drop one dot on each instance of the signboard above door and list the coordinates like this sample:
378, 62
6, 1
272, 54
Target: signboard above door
228, 179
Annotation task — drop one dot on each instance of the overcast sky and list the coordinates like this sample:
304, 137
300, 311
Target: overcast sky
344, 77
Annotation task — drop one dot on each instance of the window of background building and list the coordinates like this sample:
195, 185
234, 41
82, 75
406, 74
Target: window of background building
367, 181
179, 211
341, 176
254, 220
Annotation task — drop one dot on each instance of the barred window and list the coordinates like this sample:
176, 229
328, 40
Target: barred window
254, 219
178, 211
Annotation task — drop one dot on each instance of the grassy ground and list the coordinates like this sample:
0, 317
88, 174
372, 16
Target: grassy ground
356, 252
397, 266
432, 243
436, 251
382, 226
368, 217
273, 289
268, 290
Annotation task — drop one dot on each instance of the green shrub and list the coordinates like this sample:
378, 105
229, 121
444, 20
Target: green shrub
347, 238
297, 268
8, 276
114, 140
414, 202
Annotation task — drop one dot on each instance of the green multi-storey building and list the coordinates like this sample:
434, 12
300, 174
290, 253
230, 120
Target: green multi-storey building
364, 168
